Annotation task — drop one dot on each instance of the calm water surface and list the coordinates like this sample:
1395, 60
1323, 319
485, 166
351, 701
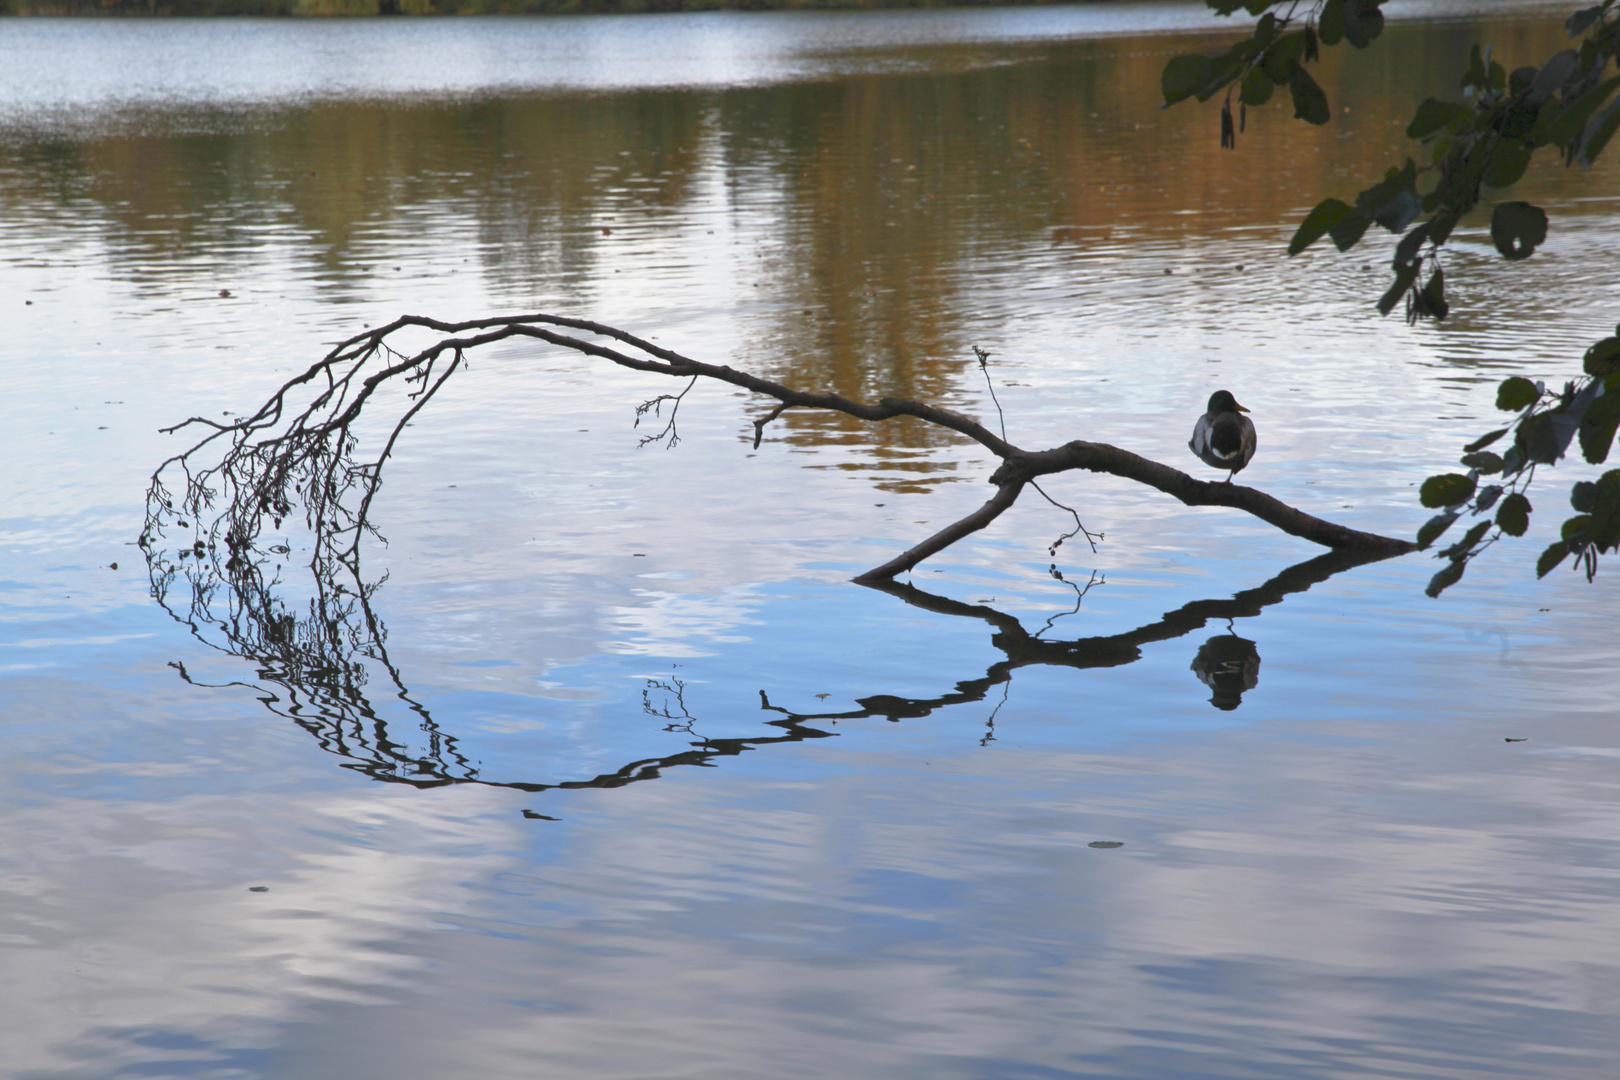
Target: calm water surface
646, 788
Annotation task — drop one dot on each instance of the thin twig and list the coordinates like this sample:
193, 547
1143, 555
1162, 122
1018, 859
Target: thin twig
1091, 538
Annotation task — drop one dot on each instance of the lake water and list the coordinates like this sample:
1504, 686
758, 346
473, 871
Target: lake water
646, 788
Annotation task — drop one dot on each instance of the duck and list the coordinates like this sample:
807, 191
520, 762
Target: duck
1223, 436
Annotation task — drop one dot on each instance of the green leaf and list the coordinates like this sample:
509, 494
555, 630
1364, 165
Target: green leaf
1330, 23
1573, 527
1486, 498
1462, 549
1440, 226
1598, 426
1404, 277
1326, 214
1393, 202
1435, 114
1281, 56
1448, 576
1547, 436
1513, 517
1577, 23
1562, 124
1310, 104
1184, 76
1598, 133
1431, 299
1603, 358
1507, 163
1362, 22
1583, 497
1485, 440
1348, 230
1431, 530
1550, 558
1517, 229
1256, 87
1448, 489
1516, 393
1558, 73
1407, 250
1483, 462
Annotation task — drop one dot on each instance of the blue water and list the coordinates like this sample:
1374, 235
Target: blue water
646, 787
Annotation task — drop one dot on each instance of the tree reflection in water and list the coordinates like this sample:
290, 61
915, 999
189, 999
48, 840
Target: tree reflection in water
315, 659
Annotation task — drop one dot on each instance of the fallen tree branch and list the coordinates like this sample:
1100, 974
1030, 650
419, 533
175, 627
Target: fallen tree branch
1100, 457
288, 457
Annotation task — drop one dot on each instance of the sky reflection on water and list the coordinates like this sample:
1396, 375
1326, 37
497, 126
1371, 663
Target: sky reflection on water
1351, 874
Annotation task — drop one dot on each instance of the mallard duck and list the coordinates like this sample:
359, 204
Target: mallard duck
1223, 436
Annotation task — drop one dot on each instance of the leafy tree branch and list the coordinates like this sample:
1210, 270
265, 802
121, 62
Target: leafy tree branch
1470, 148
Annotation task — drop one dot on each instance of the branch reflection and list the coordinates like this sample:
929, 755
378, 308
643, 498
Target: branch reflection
318, 658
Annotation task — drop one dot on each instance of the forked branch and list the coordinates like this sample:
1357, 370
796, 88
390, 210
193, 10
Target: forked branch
306, 458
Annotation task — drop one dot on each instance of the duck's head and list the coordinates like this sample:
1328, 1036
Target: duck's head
1223, 401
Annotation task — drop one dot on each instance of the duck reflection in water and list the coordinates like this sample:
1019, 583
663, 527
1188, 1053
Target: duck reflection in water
1228, 665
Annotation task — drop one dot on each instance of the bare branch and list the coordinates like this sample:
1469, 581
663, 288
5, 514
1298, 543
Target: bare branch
759, 425
1005, 496
1100, 457
303, 459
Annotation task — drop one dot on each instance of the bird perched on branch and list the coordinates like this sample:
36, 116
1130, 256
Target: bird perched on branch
1223, 436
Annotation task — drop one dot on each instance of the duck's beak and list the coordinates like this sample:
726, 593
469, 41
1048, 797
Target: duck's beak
1238, 407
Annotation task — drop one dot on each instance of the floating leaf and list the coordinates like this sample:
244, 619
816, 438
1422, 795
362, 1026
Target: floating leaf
1517, 229
1516, 393
1448, 489
1513, 517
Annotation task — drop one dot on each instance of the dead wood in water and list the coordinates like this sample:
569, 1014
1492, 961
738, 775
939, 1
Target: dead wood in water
296, 458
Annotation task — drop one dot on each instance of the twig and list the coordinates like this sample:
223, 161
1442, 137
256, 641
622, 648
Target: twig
1091, 538
655, 406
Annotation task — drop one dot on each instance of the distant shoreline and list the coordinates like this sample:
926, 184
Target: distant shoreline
353, 8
